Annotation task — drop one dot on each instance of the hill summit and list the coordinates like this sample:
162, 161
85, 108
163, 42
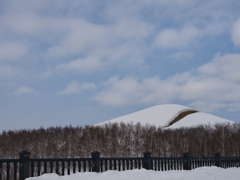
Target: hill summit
169, 116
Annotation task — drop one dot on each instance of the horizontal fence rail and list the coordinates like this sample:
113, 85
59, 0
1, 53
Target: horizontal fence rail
24, 167
166, 163
9, 169
61, 166
120, 164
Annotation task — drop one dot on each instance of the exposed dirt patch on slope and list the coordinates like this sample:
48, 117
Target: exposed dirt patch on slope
181, 115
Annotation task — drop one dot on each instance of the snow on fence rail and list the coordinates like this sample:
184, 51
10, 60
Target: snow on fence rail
24, 167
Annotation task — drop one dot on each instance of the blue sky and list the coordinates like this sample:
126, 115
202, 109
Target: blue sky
75, 62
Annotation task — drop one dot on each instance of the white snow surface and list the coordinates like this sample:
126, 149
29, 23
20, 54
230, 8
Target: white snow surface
159, 115
162, 115
203, 173
199, 118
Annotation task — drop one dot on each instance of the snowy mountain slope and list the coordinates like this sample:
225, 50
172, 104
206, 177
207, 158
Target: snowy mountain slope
160, 115
169, 115
199, 118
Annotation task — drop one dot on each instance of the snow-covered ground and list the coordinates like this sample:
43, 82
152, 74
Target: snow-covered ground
159, 115
204, 173
162, 115
199, 118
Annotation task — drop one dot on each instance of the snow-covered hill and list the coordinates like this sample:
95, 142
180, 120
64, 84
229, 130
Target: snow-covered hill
169, 115
199, 118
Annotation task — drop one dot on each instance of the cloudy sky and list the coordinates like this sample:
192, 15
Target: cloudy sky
78, 62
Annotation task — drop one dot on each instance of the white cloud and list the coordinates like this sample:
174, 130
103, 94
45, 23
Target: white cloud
86, 65
112, 42
181, 55
8, 71
225, 66
210, 106
25, 23
12, 50
83, 37
216, 82
119, 45
23, 90
173, 38
120, 37
120, 91
79, 36
76, 88
236, 33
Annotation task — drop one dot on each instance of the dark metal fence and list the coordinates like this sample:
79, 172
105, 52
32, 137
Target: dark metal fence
24, 167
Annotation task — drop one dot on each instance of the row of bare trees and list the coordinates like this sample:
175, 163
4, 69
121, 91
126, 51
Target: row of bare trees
121, 140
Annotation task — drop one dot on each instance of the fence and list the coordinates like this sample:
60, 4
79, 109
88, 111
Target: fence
24, 167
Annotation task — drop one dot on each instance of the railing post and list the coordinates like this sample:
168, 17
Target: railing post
147, 160
24, 164
218, 159
186, 161
95, 161
1, 171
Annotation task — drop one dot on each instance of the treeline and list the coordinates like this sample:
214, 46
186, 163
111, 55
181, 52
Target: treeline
121, 140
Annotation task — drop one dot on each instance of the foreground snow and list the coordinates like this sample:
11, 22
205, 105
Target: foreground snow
205, 173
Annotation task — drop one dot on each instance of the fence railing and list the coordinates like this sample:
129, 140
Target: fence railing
24, 167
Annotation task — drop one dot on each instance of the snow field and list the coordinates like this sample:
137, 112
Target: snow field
162, 115
203, 173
